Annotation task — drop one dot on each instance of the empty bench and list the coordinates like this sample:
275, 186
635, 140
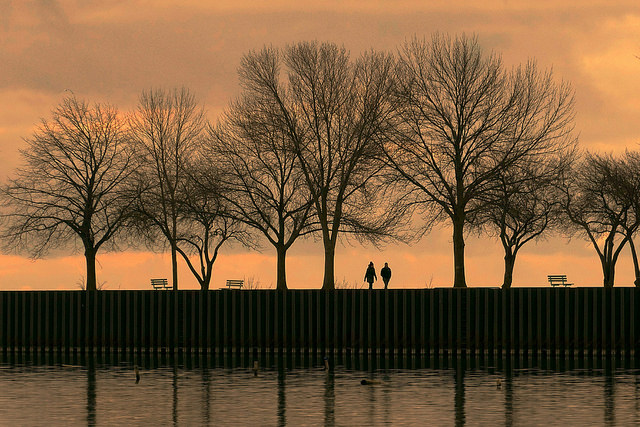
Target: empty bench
235, 284
160, 284
558, 279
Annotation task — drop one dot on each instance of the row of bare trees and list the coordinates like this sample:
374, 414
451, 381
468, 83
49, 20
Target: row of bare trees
319, 144
94, 176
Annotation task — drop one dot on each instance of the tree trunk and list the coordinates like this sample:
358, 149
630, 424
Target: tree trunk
459, 280
281, 269
607, 273
204, 284
90, 258
174, 266
608, 261
611, 281
509, 262
636, 268
329, 266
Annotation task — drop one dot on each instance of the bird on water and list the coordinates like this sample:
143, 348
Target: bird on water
135, 369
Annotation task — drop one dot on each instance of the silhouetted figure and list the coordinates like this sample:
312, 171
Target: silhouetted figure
385, 273
370, 275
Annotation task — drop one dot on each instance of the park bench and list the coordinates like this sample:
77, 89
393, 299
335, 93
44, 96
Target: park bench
558, 279
235, 284
160, 284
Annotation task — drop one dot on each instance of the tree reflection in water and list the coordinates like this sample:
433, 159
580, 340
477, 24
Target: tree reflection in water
329, 398
448, 390
609, 401
91, 392
459, 395
282, 396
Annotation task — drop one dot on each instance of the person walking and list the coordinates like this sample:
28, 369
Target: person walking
370, 275
385, 273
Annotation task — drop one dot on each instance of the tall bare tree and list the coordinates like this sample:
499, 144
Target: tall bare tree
597, 205
205, 224
462, 120
333, 111
166, 127
73, 185
264, 185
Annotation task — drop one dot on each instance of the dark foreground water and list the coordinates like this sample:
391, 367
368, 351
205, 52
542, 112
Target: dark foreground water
437, 390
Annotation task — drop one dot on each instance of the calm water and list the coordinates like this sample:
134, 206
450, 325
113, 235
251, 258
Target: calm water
52, 390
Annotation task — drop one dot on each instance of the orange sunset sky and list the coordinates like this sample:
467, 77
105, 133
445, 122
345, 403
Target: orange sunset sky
109, 51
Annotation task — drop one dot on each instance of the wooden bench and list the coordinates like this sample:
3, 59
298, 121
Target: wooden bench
558, 279
235, 284
160, 284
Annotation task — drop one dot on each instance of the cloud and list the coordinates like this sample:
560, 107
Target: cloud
20, 113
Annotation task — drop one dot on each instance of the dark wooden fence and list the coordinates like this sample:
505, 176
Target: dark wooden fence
421, 320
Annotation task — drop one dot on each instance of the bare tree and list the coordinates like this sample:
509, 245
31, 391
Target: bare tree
462, 120
205, 224
630, 190
597, 205
72, 185
525, 206
332, 111
264, 185
166, 127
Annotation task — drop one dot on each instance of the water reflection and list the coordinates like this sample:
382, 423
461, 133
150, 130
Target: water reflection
329, 398
282, 397
386, 400
293, 389
507, 384
206, 396
609, 414
459, 395
371, 404
91, 393
174, 383
637, 392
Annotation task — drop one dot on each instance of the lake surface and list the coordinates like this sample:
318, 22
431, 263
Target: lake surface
435, 390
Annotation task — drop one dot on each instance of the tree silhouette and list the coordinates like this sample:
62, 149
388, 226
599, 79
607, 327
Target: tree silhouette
204, 224
597, 204
461, 121
73, 185
332, 112
264, 185
166, 129
631, 160
525, 206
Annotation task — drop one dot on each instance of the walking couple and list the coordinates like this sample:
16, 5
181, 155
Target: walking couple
370, 275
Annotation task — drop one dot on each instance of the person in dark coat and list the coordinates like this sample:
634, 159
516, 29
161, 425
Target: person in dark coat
370, 275
385, 273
